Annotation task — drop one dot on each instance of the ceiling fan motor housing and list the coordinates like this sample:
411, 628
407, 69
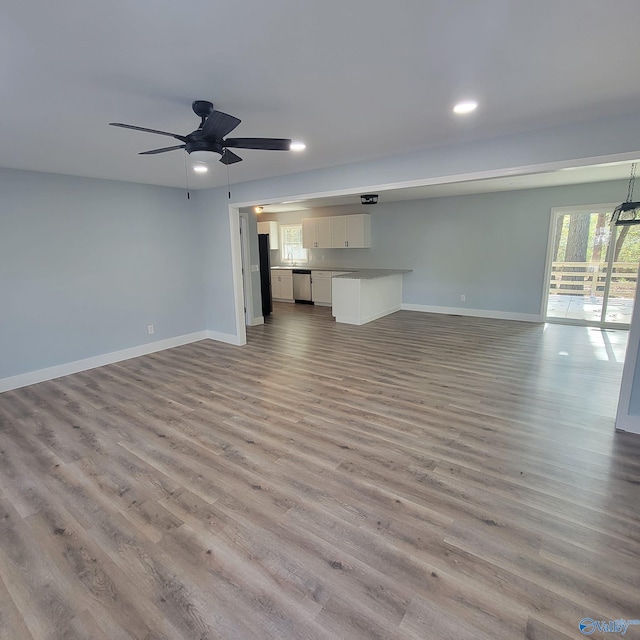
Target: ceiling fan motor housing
204, 145
202, 108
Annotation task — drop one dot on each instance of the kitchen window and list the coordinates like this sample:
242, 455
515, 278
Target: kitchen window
291, 249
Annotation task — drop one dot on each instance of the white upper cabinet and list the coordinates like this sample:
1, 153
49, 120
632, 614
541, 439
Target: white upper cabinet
351, 232
337, 232
309, 233
316, 233
323, 229
270, 227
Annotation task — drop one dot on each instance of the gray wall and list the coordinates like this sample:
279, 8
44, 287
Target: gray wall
490, 247
213, 206
86, 265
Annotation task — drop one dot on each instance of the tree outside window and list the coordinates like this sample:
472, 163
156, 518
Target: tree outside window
291, 249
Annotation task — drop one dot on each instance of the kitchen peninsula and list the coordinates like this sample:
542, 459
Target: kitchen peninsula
362, 296
357, 296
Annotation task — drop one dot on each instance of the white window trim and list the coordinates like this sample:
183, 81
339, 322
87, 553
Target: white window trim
283, 257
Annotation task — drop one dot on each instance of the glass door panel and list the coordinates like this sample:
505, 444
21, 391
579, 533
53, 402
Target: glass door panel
624, 274
579, 266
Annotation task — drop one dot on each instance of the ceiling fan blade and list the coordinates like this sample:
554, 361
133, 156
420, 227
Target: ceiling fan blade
228, 157
162, 133
267, 144
154, 151
219, 124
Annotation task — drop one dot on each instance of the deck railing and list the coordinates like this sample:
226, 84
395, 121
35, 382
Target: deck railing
588, 278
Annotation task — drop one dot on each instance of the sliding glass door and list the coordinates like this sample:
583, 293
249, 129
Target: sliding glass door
594, 268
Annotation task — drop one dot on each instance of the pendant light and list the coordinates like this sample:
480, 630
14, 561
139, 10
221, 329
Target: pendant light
628, 212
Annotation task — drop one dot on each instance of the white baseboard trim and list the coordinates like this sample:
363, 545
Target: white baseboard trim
370, 318
630, 424
255, 322
58, 371
476, 313
229, 338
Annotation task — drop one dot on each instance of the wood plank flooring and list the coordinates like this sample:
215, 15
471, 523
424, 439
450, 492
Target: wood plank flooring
418, 477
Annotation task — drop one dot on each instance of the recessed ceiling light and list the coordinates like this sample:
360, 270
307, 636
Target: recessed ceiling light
258, 209
200, 168
298, 146
465, 107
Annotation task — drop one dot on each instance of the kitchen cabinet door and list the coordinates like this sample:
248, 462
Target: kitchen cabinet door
321, 287
282, 284
351, 232
323, 233
316, 233
309, 233
358, 231
339, 232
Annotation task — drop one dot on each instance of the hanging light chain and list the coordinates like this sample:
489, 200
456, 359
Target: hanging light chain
632, 180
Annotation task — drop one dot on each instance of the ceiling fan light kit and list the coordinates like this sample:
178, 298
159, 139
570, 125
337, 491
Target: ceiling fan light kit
210, 137
202, 156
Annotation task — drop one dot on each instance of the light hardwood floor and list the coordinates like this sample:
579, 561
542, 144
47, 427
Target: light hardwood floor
418, 477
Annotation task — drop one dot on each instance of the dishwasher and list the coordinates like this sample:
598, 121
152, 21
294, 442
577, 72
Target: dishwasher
302, 286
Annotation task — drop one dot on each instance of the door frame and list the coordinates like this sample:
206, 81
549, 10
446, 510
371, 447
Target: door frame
247, 291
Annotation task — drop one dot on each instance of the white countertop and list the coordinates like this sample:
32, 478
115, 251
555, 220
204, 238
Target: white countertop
371, 274
355, 274
302, 266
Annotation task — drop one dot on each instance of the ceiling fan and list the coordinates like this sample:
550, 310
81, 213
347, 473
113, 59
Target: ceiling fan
210, 136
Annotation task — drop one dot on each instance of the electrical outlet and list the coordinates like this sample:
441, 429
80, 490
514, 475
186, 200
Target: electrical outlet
463, 298
150, 329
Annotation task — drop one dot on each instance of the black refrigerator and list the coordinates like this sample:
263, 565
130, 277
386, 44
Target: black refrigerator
265, 273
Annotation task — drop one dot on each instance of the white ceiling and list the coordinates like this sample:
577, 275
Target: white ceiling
354, 79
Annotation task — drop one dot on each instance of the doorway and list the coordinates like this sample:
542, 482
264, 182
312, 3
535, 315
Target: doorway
593, 269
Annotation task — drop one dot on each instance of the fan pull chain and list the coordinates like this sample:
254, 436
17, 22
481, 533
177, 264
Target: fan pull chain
228, 186
186, 176
632, 181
